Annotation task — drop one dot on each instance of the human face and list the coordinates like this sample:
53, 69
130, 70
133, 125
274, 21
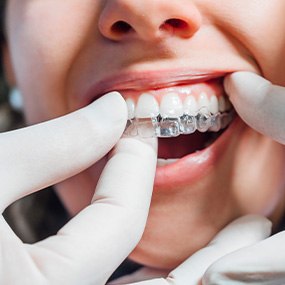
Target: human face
60, 50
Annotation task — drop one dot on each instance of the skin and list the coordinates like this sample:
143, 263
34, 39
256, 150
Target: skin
56, 49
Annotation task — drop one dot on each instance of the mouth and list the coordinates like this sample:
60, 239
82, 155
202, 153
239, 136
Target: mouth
166, 99
186, 118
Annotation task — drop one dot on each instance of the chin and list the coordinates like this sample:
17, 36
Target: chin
167, 251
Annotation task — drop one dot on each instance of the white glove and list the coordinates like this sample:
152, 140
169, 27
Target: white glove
243, 232
92, 245
260, 264
259, 103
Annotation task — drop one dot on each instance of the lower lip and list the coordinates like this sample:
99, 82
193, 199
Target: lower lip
193, 167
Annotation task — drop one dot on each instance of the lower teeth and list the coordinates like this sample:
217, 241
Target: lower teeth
173, 127
163, 162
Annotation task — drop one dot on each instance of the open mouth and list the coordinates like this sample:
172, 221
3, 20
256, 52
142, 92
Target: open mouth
171, 149
186, 118
188, 111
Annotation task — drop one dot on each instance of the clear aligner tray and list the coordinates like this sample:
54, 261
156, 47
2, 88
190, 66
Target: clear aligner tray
167, 127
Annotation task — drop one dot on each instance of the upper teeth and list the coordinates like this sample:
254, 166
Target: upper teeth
147, 106
172, 106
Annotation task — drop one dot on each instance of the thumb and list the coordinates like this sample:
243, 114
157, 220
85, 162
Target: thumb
258, 102
242, 232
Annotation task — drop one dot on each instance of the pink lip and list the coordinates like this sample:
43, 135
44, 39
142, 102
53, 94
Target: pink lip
193, 167
148, 80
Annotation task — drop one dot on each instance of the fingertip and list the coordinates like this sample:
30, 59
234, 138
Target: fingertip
264, 224
137, 146
246, 86
111, 107
152, 143
234, 82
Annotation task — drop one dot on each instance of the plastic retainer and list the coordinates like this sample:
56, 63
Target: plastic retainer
167, 127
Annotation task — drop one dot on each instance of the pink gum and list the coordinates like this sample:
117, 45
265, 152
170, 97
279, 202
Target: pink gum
210, 88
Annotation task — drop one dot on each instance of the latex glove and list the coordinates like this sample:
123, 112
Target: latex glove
241, 233
91, 246
259, 103
260, 264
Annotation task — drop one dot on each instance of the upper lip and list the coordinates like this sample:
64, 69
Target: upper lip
149, 80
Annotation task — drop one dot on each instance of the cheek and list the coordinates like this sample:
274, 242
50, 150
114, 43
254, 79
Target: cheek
264, 40
258, 177
44, 42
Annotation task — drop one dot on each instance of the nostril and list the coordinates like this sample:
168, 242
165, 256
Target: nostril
178, 27
175, 23
121, 27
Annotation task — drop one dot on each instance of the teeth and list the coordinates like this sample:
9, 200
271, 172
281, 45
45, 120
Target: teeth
131, 108
163, 162
203, 102
190, 106
215, 123
214, 105
173, 127
188, 124
203, 122
222, 104
171, 106
168, 127
147, 106
172, 118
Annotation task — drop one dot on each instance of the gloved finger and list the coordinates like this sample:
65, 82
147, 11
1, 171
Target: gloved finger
95, 242
262, 263
35, 157
242, 232
258, 102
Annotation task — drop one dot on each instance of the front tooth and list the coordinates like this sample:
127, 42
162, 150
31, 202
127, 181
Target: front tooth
147, 106
214, 105
171, 106
190, 106
222, 104
131, 108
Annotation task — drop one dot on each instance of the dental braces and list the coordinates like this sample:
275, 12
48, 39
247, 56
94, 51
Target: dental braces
167, 127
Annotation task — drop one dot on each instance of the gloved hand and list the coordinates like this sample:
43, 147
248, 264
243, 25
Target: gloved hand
259, 103
220, 258
91, 246
262, 106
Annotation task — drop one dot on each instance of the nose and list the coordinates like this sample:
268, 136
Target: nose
148, 19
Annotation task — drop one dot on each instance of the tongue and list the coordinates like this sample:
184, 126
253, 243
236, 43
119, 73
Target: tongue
182, 145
